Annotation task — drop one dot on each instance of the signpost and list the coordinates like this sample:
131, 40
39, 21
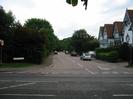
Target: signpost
1, 45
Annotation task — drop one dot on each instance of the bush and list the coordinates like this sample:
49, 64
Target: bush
113, 56
124, 51
107, 54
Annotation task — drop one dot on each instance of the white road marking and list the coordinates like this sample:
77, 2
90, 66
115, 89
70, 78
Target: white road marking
123, 95
126, 72
85, 68
131, 85
80, 65
114, 72
29, 81
29, 95
73, 61
89, 71
101, 68
105, 72
20, 85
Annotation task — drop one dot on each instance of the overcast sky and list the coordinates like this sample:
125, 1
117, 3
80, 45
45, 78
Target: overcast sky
64, 18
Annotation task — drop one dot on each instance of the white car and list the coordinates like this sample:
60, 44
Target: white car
85, 56
92, 54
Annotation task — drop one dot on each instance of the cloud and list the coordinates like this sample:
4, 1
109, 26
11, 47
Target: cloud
65, 18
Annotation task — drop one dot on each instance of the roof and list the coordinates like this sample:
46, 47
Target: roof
101, 30
130, 13
109, 30
119, 26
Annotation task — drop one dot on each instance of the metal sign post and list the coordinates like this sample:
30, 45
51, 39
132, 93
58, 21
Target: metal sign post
1, 45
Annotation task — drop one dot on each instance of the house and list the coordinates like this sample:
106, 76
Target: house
100, 37
118, 32
128, 27
106, 36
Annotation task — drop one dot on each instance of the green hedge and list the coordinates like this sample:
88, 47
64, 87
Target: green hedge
111, 56
107, 54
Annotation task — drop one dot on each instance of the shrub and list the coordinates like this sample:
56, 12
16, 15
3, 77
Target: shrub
124, 51
107, 54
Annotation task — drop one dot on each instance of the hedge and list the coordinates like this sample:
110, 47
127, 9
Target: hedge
108, 54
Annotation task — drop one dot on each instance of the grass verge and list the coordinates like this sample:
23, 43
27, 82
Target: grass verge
15, 65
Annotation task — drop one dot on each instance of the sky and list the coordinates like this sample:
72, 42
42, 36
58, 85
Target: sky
64, 18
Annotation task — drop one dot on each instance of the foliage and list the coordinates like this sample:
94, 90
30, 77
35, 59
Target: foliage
82, 42
37, 24
44, 27
75, 2
100, 50
65, 44
72, 2
111, 56
33, 41
15, 65
124, 51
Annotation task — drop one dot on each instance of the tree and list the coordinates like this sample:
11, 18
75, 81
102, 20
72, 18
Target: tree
75, 2
44, 27
6, 21
65, 44
83, 42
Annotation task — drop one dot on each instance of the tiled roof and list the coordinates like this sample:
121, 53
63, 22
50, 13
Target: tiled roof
101, 30
119, 26
109, 30
130, 14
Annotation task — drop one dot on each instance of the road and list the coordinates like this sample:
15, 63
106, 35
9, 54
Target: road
69, 78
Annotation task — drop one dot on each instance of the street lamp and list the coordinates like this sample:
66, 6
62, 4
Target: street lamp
1, 45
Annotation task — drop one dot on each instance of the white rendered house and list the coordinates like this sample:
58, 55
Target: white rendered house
128, 27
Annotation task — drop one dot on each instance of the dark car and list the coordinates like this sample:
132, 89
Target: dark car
55, 52
74, 53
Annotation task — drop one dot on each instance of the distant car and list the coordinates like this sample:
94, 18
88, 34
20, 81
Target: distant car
55, 52
85, 56
74, 53
66, 52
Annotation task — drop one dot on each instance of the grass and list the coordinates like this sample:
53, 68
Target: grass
15, 65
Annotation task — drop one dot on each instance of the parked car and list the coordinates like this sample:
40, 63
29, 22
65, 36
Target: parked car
73, 53
92, 53
66, 52
55, 52
85, 56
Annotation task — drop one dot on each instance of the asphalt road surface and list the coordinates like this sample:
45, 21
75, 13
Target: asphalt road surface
69, 78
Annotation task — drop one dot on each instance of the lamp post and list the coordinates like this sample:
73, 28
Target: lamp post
1, 45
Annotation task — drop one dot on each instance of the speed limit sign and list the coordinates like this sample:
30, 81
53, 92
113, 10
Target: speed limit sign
1, 42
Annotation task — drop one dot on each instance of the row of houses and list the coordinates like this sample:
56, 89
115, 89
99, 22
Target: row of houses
118, 32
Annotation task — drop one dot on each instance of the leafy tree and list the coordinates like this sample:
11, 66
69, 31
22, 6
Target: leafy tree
83, 42
6, 21
75, 2
28, 43
45, 27
65, 44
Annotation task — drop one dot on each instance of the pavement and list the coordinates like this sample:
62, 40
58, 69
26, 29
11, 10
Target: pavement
68, 78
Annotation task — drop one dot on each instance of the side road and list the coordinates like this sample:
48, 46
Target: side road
31, 69
65, 64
